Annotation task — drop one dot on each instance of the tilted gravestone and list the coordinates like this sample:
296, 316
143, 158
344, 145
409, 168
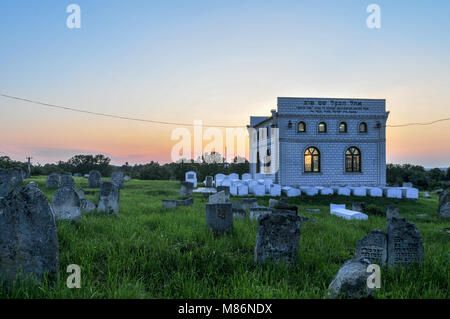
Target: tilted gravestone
278, 238
219, 197
80, 193
219, 217
444, 205
94, 179
67, 181
52, 181
238, 209
186, 189
16, 177
87, 205
404, 242
351, 280
209, 181
28, 236
66, 204
255, 212
248, 203
109, 198
359, 207
373, 247
4, 182
118, 179
392, 211
226, 189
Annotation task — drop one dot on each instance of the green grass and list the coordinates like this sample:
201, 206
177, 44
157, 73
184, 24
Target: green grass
149, 252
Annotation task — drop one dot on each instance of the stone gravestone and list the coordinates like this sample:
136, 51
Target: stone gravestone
109, 198
28, 235
87, 205
404, 242
219, 197
80, 193
16, 177
278, 238
219, 217
94, 179
444, 205
407, 184
392, 211
66, 204
52, 180
226, 189
209, 181
351, 280
359, 207
248, 203
373, 247
238, 210
186, 189
67, 181
118, 179
4, 182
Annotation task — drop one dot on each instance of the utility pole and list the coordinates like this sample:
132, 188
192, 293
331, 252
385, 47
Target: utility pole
29, 166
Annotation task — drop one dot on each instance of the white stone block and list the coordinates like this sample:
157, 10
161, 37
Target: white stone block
259, 190
242, 190
375, 192
345, 191
191, 177
291, 191
233, 176
275, 190
359, 191
392, 192
246, 176
410, 192
326, 191
341, 211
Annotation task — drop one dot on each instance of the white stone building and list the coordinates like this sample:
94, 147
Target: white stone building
321, 141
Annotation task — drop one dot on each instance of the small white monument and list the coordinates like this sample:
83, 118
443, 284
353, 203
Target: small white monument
341, 211
191, 177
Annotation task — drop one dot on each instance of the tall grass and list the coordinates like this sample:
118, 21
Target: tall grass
150, 252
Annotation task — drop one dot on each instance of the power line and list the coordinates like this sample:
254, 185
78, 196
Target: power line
68, 108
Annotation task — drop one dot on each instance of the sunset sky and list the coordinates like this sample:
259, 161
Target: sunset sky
215, 61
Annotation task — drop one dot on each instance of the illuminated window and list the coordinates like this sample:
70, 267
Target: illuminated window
353, 160
363, 127
322, 127
312, 160
343, 127
301, 127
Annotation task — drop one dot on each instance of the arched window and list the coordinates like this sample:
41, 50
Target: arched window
322, 127
353, 160
301, 127
312, 160
343, 127
363, 127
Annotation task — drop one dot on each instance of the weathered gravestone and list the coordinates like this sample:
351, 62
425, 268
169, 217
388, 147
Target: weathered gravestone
359, 207
407, 184
209, 181
4, 182
87, 205
392, 211
238, 210
248, 203
66, 204
219, 197
404, 242
170, 203
118, 179
28, 236
67, 181
80, 193
257, 211
32, 184
351, 280
52, 181
373, 247
109, 198
16, 177
94, 179
186, 189
278, 238
226, 189
444, 205
219, 217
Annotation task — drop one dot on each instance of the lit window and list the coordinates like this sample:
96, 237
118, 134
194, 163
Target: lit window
301, 127
363, 128
322, 127
343, 127
312, 160
353, 160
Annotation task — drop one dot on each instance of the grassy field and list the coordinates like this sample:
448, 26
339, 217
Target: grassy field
149, 252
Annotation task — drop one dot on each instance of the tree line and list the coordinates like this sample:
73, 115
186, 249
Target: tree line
395, 174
